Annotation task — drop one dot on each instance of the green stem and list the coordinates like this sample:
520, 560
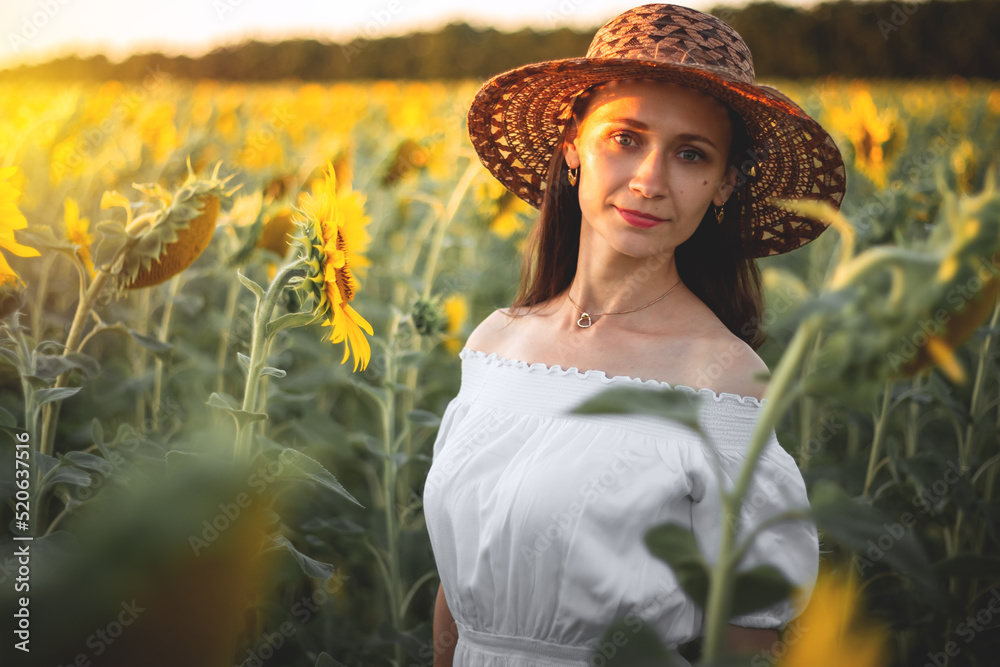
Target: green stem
878, 437
807, 407
913, 420
40, 294
258, 354
721, 584
51, 410
141, 353
389, 490
230, 315
430, 268
168, 311
31, 413
262, 402
853, 439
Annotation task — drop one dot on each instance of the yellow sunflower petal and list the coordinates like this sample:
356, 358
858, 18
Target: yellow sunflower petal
11, 217
348, 327
944, 356
831, 633
112, 198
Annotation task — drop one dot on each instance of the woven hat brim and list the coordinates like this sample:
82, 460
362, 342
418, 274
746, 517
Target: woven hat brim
518, 117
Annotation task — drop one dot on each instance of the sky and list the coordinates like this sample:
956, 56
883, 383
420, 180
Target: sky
36, 30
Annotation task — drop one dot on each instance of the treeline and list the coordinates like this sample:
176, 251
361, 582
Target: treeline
937, 38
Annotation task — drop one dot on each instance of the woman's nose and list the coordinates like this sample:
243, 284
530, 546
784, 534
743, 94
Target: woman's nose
649, 179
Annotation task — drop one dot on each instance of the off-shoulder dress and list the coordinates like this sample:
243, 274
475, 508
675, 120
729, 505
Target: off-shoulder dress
536, 516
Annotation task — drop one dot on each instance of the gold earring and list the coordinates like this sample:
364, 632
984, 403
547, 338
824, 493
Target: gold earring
719, 214
573, 175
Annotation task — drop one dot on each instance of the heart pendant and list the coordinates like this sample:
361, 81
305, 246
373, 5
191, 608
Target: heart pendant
584, 321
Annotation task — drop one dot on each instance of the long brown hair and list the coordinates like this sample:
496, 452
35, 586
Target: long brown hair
712, 262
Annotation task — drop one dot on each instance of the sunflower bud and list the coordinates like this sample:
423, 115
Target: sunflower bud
159, 245
429, 317
180, 254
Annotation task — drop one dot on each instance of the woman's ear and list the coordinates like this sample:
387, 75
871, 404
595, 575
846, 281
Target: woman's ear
570, 152
726, 186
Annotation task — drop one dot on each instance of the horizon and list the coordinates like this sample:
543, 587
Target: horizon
37, 31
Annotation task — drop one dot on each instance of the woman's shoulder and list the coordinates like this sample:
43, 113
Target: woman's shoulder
727, 364
505, 325
491, 332
716, 358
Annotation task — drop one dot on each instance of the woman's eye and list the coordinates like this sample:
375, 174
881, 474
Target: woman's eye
623, 140
691, 155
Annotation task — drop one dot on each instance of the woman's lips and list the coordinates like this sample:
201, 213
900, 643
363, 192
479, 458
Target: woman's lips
637, 219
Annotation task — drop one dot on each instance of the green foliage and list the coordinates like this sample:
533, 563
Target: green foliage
674, 404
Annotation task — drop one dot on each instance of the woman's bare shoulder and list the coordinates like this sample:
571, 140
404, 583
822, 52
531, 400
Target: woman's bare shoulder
489, 335
731, 366
720, 360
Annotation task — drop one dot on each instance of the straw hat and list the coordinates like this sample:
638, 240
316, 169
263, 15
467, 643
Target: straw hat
518, 117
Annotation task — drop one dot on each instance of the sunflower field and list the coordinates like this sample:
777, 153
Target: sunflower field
231, 318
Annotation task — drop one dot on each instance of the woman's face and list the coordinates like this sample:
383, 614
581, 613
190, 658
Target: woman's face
652, 157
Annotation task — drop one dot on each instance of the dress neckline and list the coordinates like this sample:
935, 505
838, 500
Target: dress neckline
573, 371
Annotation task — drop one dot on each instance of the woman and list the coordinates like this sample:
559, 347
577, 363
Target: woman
653, 161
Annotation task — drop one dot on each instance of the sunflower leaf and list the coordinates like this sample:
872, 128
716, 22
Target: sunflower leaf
759, 587
43, 396
244, 360
251, 285
45, 463
156, 346
861, 527
424, 418
310, 567
676, 546
7, 419
272, 371
35, 381
11, 357
51, 366
296, 465
288, 321
68, 475
642, 646
97, 435
88, 462
41, 236
242, 417
671, 404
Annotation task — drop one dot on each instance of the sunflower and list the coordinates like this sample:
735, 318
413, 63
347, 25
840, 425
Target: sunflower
161, 243
11, 218
332, 237
829, 632
78, 233
876, 136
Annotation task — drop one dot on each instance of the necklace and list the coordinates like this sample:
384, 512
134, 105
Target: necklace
586, 319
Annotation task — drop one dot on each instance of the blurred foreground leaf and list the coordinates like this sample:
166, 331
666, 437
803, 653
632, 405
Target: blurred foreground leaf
674, 404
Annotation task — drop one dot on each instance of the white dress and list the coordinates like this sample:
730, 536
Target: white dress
536, 517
